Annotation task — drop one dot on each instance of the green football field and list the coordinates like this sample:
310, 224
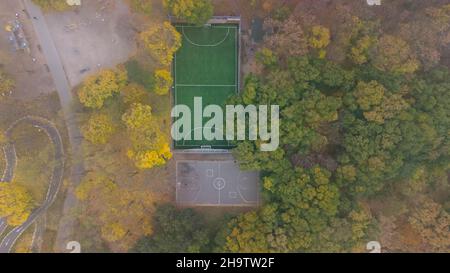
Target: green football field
206, 66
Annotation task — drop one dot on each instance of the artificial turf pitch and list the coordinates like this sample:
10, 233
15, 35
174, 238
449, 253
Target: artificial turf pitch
206, 66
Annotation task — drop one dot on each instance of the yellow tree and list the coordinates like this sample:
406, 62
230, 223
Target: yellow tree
320, 39
6, 84
163, 81
16, 203
161, 41
98, 88
3, 138
122, 213
150, 147
360, 52
98, 129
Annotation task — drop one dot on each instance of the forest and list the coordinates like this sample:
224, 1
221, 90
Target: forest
364, 150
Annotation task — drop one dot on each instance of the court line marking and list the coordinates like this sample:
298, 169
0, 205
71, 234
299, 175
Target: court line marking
220, 163
205, 45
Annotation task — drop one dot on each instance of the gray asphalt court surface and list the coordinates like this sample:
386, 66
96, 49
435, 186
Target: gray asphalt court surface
215, 183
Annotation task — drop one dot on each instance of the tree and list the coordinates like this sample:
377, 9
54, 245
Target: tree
319, 39
57, 5
143, 6
134, 93
287, 37
369, 94
394, 55
161, 41
6, 85
266, 57
121, 212
98, 129
3, 138
176, 231
138, 117
432, 223
249, 232
390, 106
362, 39
196, 12
428, 33
150, 147
163, 81
16, 203
98, 88
360, 51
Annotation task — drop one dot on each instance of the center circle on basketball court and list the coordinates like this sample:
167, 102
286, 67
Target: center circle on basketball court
219, 183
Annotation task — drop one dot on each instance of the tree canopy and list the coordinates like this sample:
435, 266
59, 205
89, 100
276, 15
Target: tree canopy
96, 89
161, 42
193, 11
16, 203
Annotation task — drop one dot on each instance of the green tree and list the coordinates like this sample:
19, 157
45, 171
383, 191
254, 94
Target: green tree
176, 231
49, 5
143, 6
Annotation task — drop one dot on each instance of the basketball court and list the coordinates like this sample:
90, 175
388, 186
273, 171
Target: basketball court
215, 183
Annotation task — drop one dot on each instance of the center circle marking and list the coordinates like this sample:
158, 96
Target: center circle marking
219, 183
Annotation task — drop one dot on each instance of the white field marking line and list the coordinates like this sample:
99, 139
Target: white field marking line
175, 82
238, 188
207, 45
218, 175
235, 59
